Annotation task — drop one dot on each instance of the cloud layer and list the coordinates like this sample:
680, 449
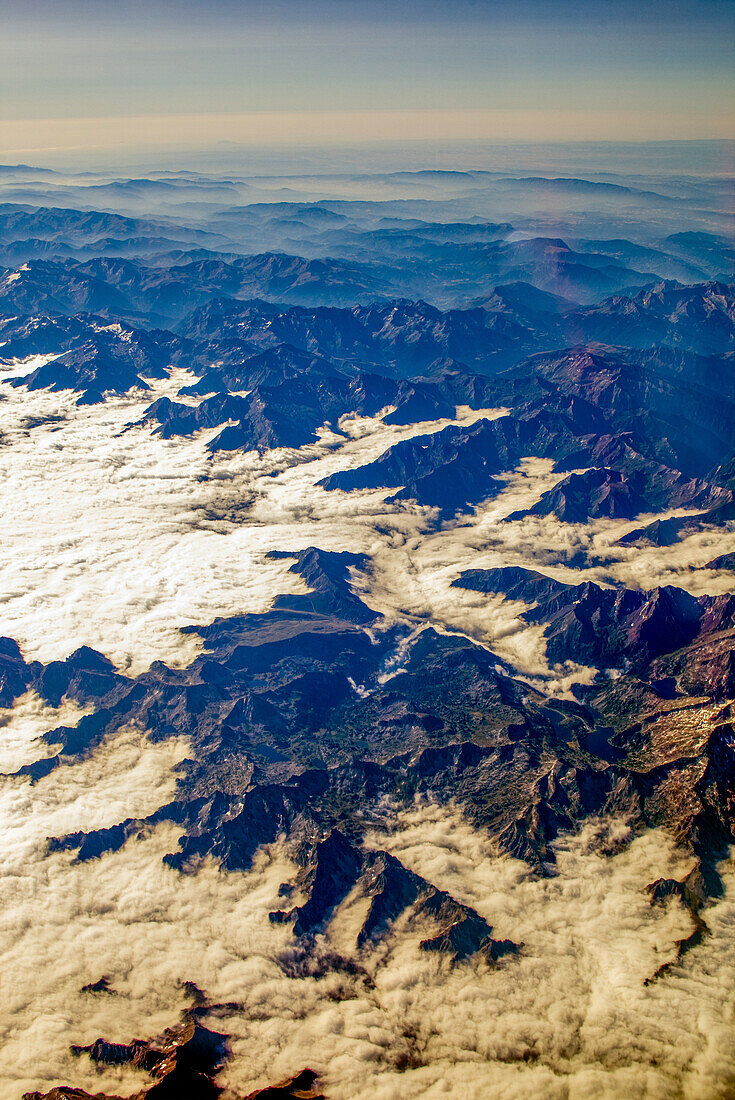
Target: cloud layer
115, 538
568, 1017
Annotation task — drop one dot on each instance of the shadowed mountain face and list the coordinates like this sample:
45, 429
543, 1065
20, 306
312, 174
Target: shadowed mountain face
369, 604
182, 1062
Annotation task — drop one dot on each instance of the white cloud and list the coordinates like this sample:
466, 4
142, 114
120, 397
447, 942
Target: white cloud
58, 924
23, 725
116, 538
124, 537
19, 368
573, 1002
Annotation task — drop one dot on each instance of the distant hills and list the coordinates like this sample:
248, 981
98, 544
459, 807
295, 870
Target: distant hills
465, 441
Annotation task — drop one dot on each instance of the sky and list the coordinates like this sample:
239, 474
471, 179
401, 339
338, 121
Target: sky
83, 74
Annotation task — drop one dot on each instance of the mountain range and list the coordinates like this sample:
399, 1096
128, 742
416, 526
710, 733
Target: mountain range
362, 527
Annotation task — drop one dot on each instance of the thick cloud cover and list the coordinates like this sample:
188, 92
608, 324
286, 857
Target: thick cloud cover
53, 927
22, 725
116, 538
568, 1017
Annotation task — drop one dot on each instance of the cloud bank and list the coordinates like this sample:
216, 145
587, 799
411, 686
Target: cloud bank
124, 537
569, 1016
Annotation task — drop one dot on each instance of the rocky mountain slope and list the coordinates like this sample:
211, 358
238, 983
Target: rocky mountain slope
441, 524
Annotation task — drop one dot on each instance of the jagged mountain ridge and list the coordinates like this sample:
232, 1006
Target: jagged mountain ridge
327, 719
521, 743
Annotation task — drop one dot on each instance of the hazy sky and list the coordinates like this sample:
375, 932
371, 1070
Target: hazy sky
76, 73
